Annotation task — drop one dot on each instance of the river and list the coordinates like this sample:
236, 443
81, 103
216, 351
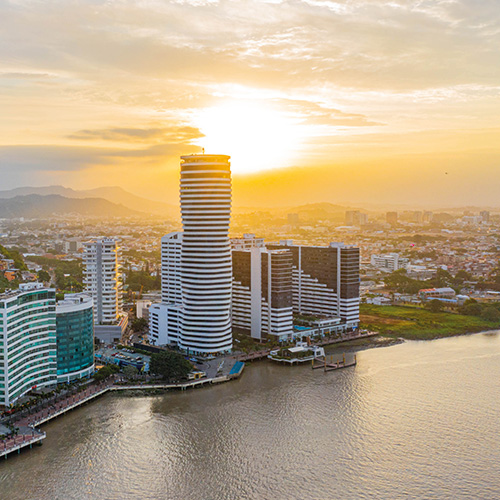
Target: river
418, 420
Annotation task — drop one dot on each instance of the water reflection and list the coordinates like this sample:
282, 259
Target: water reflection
415, 420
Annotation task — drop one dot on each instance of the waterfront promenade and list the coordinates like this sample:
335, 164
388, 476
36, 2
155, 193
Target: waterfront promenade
28, 434
26, 437
27, 424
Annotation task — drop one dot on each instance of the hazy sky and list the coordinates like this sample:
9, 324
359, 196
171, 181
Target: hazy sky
357, 100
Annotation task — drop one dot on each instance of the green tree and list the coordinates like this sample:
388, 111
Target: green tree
402, 283
471, 308
130, 371
490, 313
44, 276
434, 306
15, 256
442, 279
139, 324
137, 280
463, 275
105, 372
170, 365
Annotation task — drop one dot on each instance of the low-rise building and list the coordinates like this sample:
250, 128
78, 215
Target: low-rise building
389, 262
437, 293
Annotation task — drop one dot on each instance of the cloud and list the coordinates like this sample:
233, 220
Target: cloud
316, 114
179, 135
127, 78
378, 44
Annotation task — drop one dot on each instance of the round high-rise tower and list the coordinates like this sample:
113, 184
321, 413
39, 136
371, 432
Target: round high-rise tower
206, 268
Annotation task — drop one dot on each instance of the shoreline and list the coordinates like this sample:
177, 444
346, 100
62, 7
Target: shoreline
388, 340
139, 390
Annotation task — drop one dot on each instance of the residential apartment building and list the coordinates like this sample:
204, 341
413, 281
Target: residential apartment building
246, 242
355, 218
102, 280
206, 271
171, 247
389, 262
28, 348
195, 312
262, 302
325, 280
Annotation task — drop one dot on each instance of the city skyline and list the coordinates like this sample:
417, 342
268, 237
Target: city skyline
322, 101
249, 249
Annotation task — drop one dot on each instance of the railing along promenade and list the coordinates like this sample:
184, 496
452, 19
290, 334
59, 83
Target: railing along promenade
16, 443
28, 434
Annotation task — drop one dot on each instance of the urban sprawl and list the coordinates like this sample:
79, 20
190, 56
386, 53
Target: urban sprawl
78, 292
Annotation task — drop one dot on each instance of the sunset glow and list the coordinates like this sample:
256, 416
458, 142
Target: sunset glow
351, 99
256, 134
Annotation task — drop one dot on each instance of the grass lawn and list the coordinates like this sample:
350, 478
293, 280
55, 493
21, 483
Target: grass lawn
415, 323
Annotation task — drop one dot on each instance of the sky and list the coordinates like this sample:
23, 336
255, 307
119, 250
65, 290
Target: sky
361, 101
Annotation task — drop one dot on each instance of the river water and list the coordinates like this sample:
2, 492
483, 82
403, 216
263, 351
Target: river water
419, 420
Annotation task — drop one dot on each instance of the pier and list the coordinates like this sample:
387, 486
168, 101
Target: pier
321, 362
255, 355
345, 338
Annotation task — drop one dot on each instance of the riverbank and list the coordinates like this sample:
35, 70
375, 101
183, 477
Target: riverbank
403, 415
416, 323
26, 423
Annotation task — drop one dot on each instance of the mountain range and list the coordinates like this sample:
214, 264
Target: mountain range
113, 194
34, 206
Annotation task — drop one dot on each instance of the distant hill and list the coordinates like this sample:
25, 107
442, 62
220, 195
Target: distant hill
37, 206
113, 194
324, 208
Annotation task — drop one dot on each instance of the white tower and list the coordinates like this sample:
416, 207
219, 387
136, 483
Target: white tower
102, 262
206, 269
171, 245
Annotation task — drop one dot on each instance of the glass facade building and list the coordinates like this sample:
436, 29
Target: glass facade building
75, 337
28, 356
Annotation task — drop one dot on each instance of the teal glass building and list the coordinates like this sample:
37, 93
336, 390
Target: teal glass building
75, 337
27, 341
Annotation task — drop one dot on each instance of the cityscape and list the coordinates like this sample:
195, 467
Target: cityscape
249, 250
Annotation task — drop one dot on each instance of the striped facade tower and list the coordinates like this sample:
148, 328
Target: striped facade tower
206, 267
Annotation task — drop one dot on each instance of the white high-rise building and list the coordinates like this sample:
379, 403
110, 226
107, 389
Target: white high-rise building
196, 264
164, 318
389, 262
102, 272
171, 246
206, 270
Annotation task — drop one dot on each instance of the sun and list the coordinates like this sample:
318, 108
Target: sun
256, 134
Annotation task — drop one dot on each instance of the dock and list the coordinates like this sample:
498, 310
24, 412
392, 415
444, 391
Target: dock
346, 338
322, 362
255, 355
